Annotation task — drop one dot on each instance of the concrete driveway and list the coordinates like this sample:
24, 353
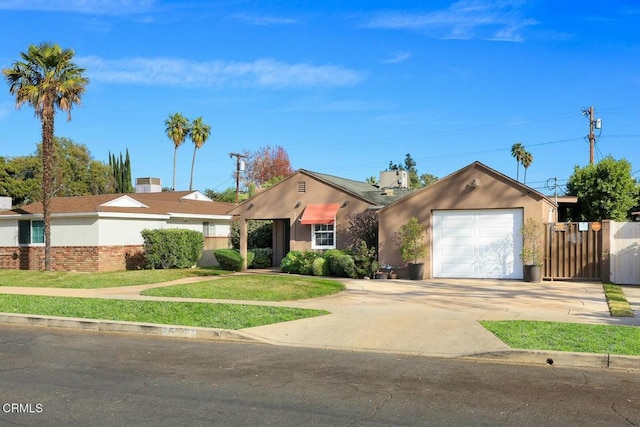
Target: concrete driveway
433, 318
438, 317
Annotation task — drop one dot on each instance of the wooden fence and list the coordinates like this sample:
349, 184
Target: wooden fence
607, 251
573, 250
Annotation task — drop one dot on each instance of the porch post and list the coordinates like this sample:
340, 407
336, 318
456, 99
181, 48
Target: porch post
243, 242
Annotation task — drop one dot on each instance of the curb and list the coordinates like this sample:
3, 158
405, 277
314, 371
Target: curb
561, 359
101, 326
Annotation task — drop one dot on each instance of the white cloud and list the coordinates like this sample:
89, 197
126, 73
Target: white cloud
397, 57
266, 73
465, 19
95, 7
265, 20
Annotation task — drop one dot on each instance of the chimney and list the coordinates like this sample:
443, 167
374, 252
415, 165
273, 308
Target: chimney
394, 179
5, 203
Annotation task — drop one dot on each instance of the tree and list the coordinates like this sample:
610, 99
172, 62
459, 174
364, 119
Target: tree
605, 190
47, 78
121, 172
228, 195
415, 181
527, 159
177, 129
266, 164
21, 179
363, 227
372, 180
517, 150
199, 134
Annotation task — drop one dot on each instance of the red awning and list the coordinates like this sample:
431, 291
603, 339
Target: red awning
320, 214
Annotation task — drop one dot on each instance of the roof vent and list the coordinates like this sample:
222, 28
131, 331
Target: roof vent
388, 192
148, 185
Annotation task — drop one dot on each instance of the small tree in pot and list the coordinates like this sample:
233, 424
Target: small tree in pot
412, 247
532, 254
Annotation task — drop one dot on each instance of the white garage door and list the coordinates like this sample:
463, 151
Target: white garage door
477, 243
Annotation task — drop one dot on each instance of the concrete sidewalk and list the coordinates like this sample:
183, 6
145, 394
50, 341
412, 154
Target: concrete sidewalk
431, 318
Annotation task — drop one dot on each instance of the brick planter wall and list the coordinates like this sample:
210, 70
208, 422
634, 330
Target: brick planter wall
72, 258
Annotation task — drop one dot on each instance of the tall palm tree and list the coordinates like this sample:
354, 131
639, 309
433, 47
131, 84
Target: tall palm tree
527, 159
199, 134
46, 78
177, 128
517, 150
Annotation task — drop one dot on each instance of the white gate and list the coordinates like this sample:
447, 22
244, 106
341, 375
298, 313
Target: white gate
624, 255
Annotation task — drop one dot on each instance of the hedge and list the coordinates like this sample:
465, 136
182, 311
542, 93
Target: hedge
230, 259
172, 247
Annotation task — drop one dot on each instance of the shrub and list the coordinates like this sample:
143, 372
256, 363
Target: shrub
320, 267
262, 257
365, 260
172, 247
340, 262
258, 234
298, 262
230, 259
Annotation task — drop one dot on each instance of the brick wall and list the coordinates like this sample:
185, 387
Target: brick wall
72, 258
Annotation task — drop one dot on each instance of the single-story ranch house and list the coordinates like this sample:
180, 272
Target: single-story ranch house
472, 216
103, 232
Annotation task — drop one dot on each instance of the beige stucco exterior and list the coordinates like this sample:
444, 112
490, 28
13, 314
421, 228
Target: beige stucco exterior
473, 187
285, 203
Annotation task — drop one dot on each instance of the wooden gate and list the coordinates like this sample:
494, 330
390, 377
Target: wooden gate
573, 250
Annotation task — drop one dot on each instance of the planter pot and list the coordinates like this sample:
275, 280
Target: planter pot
393, 276
533, 273
416, 271
380, 275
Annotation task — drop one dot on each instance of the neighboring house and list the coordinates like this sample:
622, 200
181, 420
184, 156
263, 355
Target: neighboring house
103, 232
309, 209
473, 218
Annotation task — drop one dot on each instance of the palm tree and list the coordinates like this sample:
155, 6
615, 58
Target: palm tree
517, 150
177, 128
527, 159
199, 134
46, 78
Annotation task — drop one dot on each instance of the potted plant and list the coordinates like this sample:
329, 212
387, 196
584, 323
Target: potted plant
532, 254
412, 247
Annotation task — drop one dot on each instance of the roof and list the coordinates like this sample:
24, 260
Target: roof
369, 192
444, 181
164, 203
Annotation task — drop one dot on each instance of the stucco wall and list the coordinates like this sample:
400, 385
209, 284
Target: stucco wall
284, 201
493, 191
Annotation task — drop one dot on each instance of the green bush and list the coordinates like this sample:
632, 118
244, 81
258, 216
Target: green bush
298, 262
340, 262
320, 267
172, 247
262, 257
259, 234
365, 260
230, 259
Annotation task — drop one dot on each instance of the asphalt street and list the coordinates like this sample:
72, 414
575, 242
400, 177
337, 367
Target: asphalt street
57, 377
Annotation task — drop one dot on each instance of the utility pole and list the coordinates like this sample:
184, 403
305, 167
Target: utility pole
593, 124
239, 166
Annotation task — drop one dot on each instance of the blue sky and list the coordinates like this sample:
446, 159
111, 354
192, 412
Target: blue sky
343, 86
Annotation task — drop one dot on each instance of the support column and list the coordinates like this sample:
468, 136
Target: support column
244, 235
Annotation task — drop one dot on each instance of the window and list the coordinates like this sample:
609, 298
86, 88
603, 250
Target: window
206, 231
30, 232
323, 236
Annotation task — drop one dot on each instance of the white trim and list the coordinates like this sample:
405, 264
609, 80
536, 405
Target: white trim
124, 202
199, 216
196, 195
313, 237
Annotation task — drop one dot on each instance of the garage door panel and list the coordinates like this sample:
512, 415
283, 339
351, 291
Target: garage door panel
477, 244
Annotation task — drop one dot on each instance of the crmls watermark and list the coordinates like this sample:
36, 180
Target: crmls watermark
22, 408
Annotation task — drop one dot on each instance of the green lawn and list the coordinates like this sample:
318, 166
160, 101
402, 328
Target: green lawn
225, 316
62, 279
584, 338
252, 288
